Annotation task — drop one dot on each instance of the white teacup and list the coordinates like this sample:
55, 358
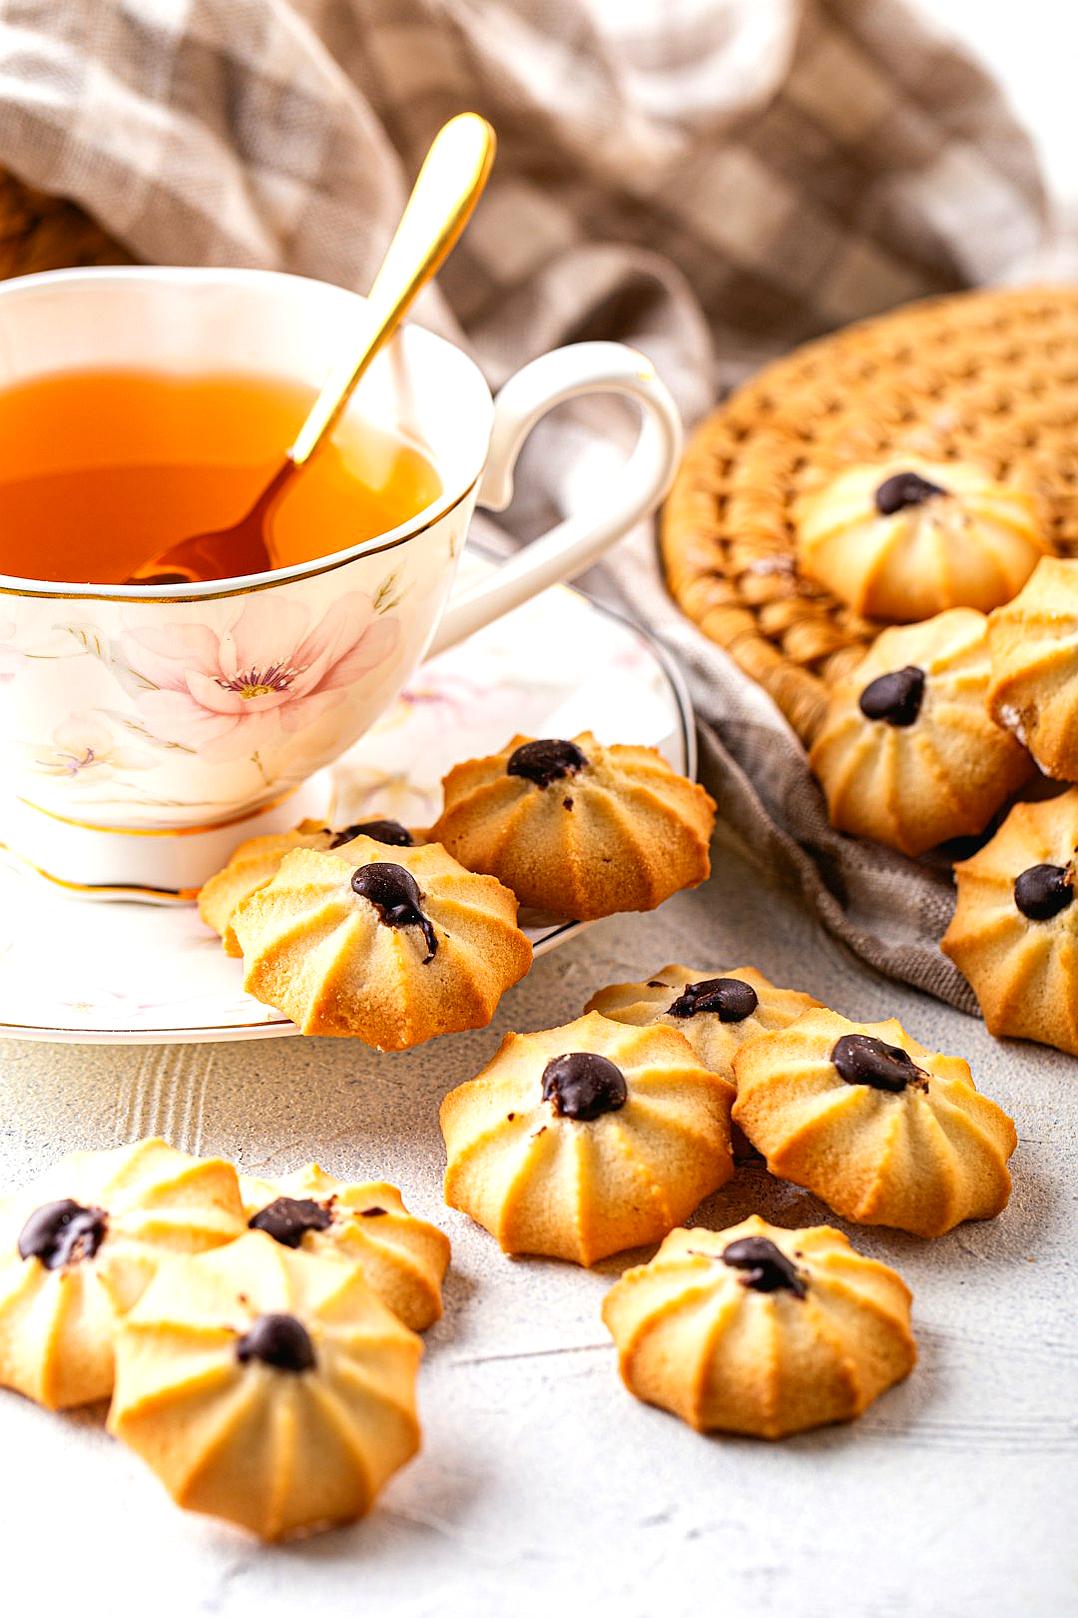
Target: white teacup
146, 730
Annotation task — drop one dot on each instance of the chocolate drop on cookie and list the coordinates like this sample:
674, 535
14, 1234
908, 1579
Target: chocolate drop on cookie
584, 1085
288, 1219
895, 698
766, 1267
395, 895
545, 761
390, 832
864, 1059
63, 1232
730, 999
1043, 891
902, 490
278, 1340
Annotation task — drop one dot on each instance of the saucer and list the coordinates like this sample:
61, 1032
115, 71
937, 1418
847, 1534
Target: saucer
87, 973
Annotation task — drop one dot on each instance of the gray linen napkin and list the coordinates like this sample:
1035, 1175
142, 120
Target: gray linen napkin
713, 180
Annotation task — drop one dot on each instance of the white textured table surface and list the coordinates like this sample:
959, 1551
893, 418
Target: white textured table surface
542, 1486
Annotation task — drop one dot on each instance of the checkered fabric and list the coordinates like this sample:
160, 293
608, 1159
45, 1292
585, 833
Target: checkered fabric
713, 180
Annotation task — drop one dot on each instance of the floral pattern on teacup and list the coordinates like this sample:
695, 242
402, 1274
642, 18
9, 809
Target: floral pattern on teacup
85, 748
231, 692
186, 709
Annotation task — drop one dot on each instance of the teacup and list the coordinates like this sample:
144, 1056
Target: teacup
147, 730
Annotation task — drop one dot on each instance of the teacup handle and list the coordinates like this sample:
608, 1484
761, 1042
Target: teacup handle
550, 380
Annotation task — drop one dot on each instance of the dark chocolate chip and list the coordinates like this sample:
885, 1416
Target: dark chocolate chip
1043, 891
766, 1267
372, 1213
278, 1340
864, 1059
545, 761
290, 1218
895, 698
390, 832
395, 895
63, 1232
584, 1085
730, 999
902, 490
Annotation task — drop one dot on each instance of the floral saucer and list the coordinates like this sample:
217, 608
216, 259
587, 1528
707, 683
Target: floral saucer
110, 974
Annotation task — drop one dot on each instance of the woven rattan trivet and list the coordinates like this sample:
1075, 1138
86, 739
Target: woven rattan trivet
989, 377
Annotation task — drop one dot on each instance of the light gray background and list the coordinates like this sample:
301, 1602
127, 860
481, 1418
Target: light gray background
542, 1486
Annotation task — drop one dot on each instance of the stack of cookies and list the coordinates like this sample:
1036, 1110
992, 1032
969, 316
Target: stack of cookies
256, 1339
934, 733
877, 528
394, 936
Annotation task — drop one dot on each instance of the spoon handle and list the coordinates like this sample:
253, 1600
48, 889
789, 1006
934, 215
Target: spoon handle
446, 190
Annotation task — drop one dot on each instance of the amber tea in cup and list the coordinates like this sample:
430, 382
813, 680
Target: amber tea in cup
101, 470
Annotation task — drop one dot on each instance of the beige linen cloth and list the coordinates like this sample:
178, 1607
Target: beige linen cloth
713, 180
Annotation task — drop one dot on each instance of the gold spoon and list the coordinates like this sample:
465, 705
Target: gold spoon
446, 191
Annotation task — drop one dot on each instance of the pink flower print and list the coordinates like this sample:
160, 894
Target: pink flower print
84, 746
266, 675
